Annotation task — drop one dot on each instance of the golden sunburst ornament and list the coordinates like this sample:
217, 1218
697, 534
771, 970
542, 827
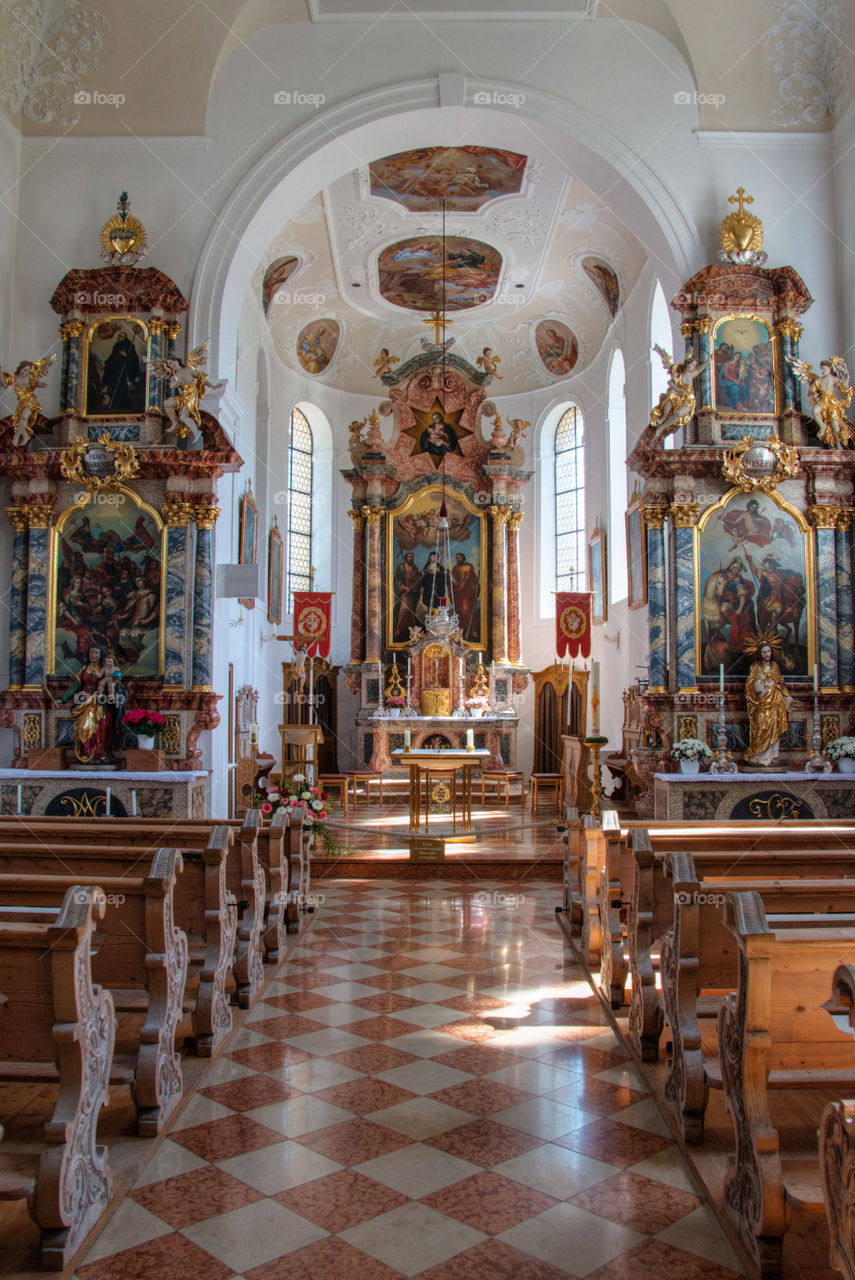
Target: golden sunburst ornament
123, 237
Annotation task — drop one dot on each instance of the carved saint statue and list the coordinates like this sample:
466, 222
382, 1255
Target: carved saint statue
768, 705
98, 700
383, 363
190, 384
24, 381
519, 427
489, 363
830, 394
677, 402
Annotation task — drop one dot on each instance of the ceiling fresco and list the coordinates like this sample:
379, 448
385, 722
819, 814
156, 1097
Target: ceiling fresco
464, 177
419, 273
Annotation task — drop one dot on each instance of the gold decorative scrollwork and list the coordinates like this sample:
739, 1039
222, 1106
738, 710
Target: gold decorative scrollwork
87, 806
32, 736
685, 514
687, 727
828, 515
655, 514
760, 464
126, 464
172, 735
70, 329
776, 807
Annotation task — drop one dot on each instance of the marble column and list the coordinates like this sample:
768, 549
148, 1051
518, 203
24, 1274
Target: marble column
38, 565
71, 388
703, 325
845, 653
156, 352
205, 516
824, 520
18, 598
172, 331
790, 331
685, 516
357, 617
374, 613
176, 517
499, 583
657, 623
514, 633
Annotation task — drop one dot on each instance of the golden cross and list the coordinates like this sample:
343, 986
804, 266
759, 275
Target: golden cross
741, 199
439, 323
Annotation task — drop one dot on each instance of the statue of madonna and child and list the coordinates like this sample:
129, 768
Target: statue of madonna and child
98, 698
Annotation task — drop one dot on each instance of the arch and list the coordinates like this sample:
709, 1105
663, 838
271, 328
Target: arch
618, 585
550, 502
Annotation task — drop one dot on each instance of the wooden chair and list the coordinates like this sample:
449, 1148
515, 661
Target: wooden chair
339, 783
501, 779
355, 776
547, 783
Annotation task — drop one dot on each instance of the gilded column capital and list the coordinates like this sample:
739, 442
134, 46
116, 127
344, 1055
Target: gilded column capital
685, 514
655, 514
687, 328
499, 516
790, 329
514, 521
373, 516
357, 517
826, 515
17, 518
703, 324
205, 514
38, 515
171, 330
178, 513
70, 329
156, 327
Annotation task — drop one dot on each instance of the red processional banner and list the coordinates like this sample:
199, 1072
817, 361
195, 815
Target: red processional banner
573, 623
312, 619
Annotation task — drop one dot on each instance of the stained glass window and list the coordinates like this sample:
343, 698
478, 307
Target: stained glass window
570, 548
298, 552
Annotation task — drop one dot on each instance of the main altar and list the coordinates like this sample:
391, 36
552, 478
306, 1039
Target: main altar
436, 651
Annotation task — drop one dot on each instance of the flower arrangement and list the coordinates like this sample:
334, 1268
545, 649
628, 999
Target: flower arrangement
296, 791
841, 749
147, 723
476, 700
691, 749
395, 701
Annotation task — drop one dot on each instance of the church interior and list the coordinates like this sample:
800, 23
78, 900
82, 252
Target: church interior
427, 736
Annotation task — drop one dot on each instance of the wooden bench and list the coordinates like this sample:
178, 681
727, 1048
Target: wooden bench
57, 1024
140, 953
837, 1142
204, 907
775, 1032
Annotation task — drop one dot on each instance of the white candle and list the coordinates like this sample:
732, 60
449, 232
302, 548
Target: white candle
107, 803
595, 696
721, 677
20, 798
408, 668
815, 678
133, 804
408, 740
470, 740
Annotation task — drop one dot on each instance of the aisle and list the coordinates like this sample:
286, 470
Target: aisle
428, 1090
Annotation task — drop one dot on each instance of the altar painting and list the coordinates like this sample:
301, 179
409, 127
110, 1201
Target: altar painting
115, 369
106, 587
745, 370
416, 579
754, 570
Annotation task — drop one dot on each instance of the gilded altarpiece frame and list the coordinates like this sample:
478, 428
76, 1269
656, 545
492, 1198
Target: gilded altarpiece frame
754, 569
746, 378
411, 540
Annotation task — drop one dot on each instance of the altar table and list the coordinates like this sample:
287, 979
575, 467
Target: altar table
765, 797
85, 793
423, 765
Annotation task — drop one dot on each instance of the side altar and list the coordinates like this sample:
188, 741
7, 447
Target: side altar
113, 504
436, 650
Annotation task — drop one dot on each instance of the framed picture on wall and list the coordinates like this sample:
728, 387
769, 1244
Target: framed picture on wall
597, 574
248, 542
274, 574
636, 553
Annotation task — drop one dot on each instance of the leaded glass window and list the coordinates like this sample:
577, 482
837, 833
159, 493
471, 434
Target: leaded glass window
570, 549
298, 557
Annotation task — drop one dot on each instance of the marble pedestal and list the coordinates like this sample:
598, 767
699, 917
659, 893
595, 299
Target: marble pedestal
75, 793
766, 797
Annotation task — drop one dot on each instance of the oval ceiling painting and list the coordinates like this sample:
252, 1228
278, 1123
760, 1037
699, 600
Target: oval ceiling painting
556, 346
606, 281
465, 177
411, 273
276, 275
316, 345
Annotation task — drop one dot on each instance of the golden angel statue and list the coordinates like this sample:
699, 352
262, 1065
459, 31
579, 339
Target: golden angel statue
383, 363
26, 379
768, 704
519, 427
677, 402
489, 363
830, 394
190, 384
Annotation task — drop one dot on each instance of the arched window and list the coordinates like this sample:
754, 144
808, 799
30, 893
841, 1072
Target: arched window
570, 548
661, 335
298, 551
617, 478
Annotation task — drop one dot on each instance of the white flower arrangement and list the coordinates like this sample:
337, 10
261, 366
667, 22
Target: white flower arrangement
841, 749
691, 749
305, 795
298, 777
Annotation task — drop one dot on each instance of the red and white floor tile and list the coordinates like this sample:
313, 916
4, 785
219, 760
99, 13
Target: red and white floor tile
428, 1088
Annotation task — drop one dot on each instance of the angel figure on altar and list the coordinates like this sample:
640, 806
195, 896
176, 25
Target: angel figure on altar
768, 706
830, 394
677, 402
190, 383
25, 381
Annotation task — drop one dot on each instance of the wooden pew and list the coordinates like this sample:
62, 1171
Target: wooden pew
56, 1023
571, 900
140, 951
774, 1031
204, 908
700, 953
837, 1141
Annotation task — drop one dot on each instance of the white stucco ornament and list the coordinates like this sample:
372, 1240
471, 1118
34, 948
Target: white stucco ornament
806, 47
52, 46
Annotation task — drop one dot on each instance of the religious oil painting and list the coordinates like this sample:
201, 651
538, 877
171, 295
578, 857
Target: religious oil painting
636, 553
754, 576
317, 343
116, 370
557, 347
106, 587
420, 572
597, 574
464, 177
276, 277
416, 273
274, 574
605, 280
745, 376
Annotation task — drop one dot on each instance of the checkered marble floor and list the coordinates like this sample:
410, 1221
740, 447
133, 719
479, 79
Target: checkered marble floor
428, 1088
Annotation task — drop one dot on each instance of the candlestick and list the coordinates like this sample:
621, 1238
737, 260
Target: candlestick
817, 761
721, 677
595, 695
311, 688
723, 761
